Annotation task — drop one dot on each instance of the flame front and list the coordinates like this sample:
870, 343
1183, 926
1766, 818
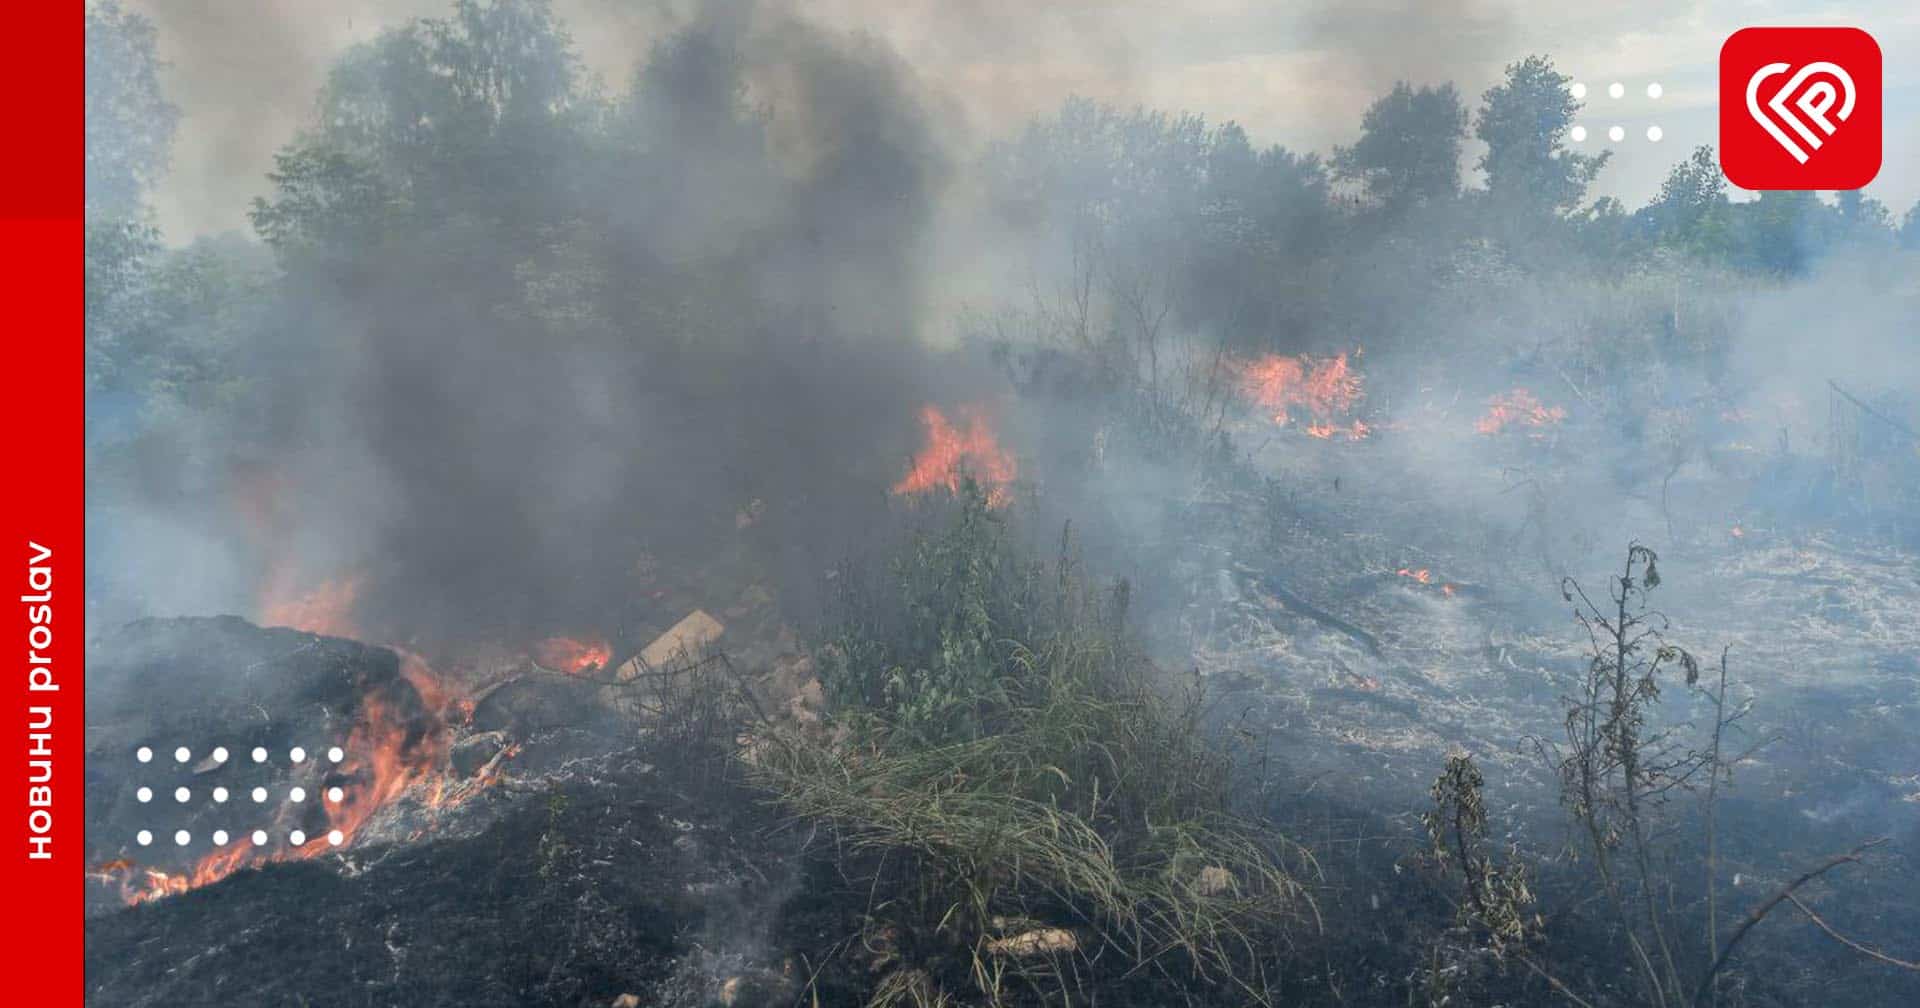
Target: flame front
1518, 407
1325, 388
952, 452
397, 747
398, 744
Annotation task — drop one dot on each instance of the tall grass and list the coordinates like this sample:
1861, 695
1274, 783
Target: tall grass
995, 727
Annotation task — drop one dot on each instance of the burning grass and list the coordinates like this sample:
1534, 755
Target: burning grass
995, 739
397, 745
395, 735
954, 452
1519, 410
1325, 390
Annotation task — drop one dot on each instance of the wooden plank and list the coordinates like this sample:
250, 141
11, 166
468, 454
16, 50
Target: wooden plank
695, 631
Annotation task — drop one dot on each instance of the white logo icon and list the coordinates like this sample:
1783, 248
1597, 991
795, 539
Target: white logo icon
1814, 103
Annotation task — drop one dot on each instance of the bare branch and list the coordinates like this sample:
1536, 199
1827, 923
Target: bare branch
1848, 942
1759, 913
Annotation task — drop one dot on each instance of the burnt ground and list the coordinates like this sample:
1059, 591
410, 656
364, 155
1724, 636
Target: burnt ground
1349, 681
595, 869
609, 877
557, 851
221, 688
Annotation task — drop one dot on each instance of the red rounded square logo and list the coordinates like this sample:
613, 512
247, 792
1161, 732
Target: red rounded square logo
1800, 108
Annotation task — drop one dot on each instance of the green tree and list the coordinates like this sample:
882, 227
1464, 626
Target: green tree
165, 327
130, 123
1862, 220
1409, 147
432, 122
1523, 121
1690, 212
1782, 232
1608, 234
323, 197
120, 252
1266, 222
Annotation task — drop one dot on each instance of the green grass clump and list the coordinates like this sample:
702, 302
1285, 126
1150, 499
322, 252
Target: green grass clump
995, 728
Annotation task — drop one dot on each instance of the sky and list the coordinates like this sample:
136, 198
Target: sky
245, 72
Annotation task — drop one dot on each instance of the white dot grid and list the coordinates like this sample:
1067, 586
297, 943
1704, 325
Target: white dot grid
221, 838
219, 755
1615, 90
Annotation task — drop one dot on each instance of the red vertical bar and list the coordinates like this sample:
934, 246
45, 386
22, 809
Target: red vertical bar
42, 442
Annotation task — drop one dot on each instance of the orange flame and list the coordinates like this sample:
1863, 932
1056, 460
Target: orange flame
1356, 431
391, 751
952, 452
395, 748
1424, 576
1518, 407
327, 609
285, 597
1325, 388
574, 657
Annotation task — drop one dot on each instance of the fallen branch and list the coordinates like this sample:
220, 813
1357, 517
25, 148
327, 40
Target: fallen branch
1319, 615
1848, 942
1554, 982
1874, 413
1759, 913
